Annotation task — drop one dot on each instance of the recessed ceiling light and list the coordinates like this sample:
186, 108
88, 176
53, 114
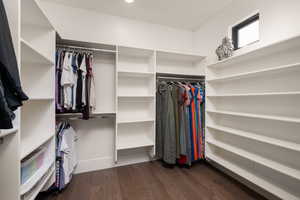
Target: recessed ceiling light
129, 1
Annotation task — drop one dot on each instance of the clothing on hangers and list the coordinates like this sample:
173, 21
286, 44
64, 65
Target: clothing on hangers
66, 155
180, 122
75, 85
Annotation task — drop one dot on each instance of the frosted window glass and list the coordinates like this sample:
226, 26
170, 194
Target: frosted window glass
248, 34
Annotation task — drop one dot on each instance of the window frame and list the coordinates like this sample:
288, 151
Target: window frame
236, 28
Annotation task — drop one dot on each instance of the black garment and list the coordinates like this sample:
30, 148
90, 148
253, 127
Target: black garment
12, 94
4, 110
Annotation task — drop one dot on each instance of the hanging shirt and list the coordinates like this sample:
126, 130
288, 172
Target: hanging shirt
83, 74
74, 89
66, 150
92, 84
68, 81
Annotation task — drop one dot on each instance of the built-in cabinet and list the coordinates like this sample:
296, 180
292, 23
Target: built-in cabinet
28, 151
252, 121
37, 124
122, 128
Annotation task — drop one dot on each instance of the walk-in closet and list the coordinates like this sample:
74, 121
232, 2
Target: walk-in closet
137, 99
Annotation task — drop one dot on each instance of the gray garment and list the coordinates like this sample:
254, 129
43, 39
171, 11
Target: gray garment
175, 98
165, 127
170, 134
160, 99
182, 123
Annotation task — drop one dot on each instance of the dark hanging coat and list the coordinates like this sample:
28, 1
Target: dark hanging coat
11, 93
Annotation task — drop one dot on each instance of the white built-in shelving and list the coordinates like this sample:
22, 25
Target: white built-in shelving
256, 137
255, 94
39, 186
4, 133
293, 173
261, 72
250, 95
252, 177
136, 83
37, 71
179, 63
257, 116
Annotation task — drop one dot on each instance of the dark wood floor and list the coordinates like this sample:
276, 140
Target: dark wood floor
151, 181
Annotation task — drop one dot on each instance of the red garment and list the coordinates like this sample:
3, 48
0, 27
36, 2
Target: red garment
193, 107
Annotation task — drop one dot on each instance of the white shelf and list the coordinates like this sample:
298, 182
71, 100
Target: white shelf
41, 99
32, 55
4, 133
266, 185
128, 121
265, 50
255, 94
257, 137
135, 74
265, 117
283, 169
179, 56
134, 142
26, 149
38, 187
254, 73
137, 96
34, 14
26, 187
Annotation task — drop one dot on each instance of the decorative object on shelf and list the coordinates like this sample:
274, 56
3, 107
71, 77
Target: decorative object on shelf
225, 50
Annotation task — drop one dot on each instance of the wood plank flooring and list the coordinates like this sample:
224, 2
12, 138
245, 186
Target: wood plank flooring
151, 181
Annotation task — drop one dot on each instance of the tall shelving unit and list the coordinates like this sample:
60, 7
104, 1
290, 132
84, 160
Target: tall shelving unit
10, 139
37, 126
135, 121
252, 121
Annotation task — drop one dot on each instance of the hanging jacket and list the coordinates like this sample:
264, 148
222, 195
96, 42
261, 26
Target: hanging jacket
4, 111
11, 87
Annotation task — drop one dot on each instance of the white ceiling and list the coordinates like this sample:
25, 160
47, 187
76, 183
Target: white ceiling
184, 14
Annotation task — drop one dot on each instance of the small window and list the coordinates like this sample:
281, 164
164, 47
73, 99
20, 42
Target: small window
246, 32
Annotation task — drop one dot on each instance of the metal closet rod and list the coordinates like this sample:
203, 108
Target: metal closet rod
180, 77
85, 48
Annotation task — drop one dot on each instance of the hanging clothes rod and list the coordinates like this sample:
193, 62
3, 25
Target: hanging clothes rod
178, 77
78, 116
85, 48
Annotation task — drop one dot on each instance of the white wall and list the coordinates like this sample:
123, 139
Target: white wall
85, 25
279, 20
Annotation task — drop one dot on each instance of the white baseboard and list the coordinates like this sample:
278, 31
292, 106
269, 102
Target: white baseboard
133, 157
94, 164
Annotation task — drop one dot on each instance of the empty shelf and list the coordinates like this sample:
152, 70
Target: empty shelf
293, 173
261, 182
255, 94
26, 149
179, 56
4, 133
254, 73
127, 121
137, 96
134, 142
136, 74
32, 55
41, 98
265, 117
257, 137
